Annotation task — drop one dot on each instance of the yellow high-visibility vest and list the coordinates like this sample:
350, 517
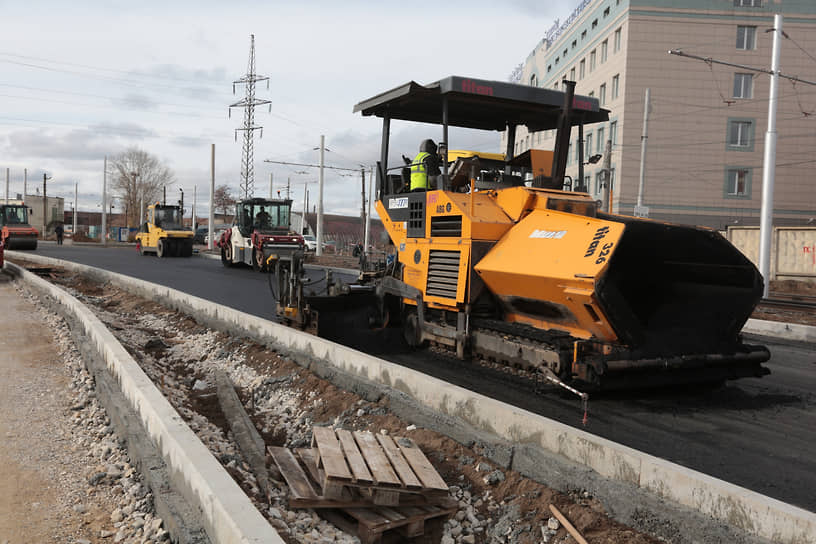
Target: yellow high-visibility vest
419, 173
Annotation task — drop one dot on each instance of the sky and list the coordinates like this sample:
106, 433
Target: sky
84, 80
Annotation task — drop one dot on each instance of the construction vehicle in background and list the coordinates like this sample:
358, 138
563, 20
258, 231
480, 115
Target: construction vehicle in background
163, 233
260, 234
261, 237
498, 262
15, 231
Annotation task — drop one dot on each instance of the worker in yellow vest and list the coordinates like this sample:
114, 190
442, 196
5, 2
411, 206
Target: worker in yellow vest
425, 167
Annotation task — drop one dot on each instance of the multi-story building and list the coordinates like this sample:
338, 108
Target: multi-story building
707, 121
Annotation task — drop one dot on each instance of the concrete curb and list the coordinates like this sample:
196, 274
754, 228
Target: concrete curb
778, 329
229, 515
741, 508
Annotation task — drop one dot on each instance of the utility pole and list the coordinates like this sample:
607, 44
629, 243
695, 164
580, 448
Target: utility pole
319, 250
271, 187
303, 217
212, 198
248, 103
164, 195
45, 200
606, 192
288, 188
25, 183
104, 233
580, 184
643, 139
769, 163
368, 215
7, 185
193, 214
76, 206
362, 206
135, 176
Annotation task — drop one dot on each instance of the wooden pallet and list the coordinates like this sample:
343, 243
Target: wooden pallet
371, 525
379, 463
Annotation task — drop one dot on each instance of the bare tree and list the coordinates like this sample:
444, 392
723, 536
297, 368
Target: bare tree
138, 175
222, 199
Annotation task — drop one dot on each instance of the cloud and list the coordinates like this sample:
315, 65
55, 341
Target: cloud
138, 102
89, 143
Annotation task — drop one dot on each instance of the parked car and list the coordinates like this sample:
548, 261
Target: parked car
217, 234
311, 242
200, 235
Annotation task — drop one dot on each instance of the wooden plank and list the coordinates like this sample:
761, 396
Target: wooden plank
399, 462
386, 497
309, 458
249, 441
353, 502
293, 474
423, 468
377, 461
332, 459
355, 459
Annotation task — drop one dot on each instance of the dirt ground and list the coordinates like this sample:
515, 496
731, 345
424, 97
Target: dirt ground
44, 495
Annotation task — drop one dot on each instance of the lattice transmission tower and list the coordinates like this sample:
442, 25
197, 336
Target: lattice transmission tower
248, 103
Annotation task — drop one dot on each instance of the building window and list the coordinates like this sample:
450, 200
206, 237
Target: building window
588, 146
549, 68
743, 85
586, 184
613, 132
746, 37
555, 85
569, 153
591, 94
599, 179
572, 74
748, 3
740, 135
583, 34
604, 48
602, 94
565, 52
582, 69
615, 86
557, 59
606, 12
533, 81
592, 61
594, 23
601, 142
616, 42
738, 182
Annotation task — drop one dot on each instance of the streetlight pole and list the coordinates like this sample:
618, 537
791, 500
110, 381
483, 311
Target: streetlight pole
135, 176
76, 205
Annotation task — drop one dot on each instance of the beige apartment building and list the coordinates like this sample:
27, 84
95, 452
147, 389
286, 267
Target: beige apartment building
707, 121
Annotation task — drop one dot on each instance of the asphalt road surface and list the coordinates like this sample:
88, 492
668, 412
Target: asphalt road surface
755, 433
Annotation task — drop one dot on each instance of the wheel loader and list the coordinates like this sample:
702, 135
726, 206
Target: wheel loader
15, 231
496, 261
163, 232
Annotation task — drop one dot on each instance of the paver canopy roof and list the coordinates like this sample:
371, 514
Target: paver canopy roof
480, 104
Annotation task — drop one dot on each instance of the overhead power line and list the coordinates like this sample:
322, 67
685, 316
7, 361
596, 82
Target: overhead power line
710, 61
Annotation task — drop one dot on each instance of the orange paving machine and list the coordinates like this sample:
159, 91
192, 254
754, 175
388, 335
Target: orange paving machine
497, 261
